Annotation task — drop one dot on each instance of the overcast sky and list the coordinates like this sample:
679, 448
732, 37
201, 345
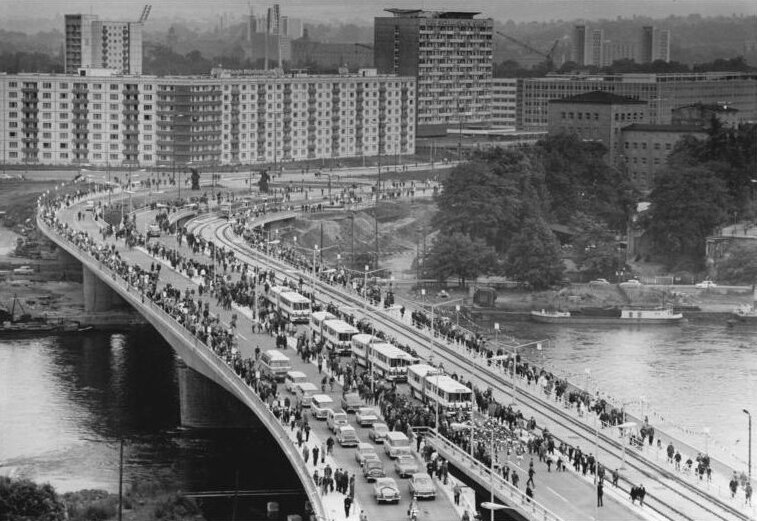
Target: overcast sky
365, 10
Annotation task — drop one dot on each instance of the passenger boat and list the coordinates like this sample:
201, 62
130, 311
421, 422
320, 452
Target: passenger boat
25, 324
609, 316
746, 313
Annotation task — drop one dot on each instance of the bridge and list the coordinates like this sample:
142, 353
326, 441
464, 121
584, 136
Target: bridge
671, 500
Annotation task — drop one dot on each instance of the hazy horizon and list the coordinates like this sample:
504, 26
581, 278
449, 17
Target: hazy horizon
363, 11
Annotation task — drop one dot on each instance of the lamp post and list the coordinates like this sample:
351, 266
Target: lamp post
750, 443
315, 251
491, 506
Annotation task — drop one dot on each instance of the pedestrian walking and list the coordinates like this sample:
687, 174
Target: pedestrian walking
748, 493
456, 491
529, 493
347, 506
600, 493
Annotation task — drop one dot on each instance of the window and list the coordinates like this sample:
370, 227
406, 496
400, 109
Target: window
657, 146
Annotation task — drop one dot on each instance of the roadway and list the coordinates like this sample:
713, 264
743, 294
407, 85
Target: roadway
668, 494
439, 509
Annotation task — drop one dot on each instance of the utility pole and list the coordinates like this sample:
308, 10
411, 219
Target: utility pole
352, 236
120, 480
375, 215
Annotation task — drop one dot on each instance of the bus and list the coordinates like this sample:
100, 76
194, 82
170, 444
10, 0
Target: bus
390, 361
360, 344
451, 395
316, 324
289, 304
337, 335
275, 364
416, 378
225, 210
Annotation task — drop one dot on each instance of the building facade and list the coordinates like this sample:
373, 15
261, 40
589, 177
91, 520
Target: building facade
450, 54
655, 44
596, 116
645, 149
226, 118
504, 101
331, 55
92, 43
663, 92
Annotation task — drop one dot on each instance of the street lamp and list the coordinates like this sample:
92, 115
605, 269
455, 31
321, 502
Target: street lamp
491, 506
750, 442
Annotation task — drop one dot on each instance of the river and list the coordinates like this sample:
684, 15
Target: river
66, 401
692, 377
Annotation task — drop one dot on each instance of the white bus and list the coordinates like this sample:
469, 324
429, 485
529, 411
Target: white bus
225, 210
317, 319
390, 361
451, 395
416, 378
289, 304
275, 364
337, 335
360, 344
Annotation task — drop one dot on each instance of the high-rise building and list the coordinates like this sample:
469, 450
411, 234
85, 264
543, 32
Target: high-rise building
225, 118
579, 44
504, 101
450, 53
92, 43
664, 92
292, 28
655, 44
619, 50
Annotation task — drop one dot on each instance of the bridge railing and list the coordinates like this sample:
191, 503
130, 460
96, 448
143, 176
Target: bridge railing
214, 360
506, 491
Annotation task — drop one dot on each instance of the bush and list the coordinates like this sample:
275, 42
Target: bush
24, 499
176, 508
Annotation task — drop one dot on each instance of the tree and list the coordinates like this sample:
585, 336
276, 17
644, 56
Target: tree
687, 204
596, 247
195, 179
479, 200
459, 255
534, 254
739, 265
21, 499
263, 181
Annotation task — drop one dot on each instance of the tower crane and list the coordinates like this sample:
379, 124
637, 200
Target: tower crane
548, 55
145, 13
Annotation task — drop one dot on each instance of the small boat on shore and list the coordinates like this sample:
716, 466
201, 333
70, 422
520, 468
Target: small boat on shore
12, 324
746, 314
609, 316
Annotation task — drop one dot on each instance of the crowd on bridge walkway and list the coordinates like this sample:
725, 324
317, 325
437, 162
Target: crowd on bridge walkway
193, 314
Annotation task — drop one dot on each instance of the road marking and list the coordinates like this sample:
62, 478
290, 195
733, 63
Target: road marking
556, 494
242, 337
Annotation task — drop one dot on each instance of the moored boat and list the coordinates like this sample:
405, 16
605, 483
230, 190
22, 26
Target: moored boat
624, 316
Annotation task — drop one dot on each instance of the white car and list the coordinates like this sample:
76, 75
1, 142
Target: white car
24, 270
366, 416
706, 284
633, 283
599, 282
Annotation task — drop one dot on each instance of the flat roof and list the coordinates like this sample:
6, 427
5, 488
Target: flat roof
599, 97
648, 127
421, 13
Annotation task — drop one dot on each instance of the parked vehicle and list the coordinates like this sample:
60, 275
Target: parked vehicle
351, 402
599, 282
422, 486
706, 284
346, 436
336, 419
24, 270
378, 432
406, 465
320, 405
396, 444
373, 469
365, 416
292, 378
363, 452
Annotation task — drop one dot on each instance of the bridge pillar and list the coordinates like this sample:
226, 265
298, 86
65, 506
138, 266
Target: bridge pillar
97, 294
69, 265
204, 404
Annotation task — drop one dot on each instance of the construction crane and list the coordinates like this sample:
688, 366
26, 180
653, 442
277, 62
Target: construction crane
145, 13
547, 55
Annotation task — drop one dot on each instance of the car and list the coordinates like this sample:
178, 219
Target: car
351, 402
24, 270
422, 486
632, 283
364, 451
378, 432
386, 490
373, 469
365, 416
599, 282
336, 419
442, 294
406, 465
706, 284
347, 437
153, 230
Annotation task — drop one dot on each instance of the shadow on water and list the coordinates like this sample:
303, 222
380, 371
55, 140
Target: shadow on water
99, 388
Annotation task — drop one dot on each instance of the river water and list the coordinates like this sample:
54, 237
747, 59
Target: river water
687, 378
65, 402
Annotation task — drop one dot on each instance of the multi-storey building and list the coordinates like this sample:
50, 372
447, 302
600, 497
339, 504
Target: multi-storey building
596, 116
645, 149
98, 44
354, 56
663, 92
504, 99
655, 44
579, 44
450, 53
597, 48
225, 118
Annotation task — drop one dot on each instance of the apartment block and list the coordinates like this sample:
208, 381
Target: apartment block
655, 44
504, 101
226, 118
450, 54
663, 92
98, 44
